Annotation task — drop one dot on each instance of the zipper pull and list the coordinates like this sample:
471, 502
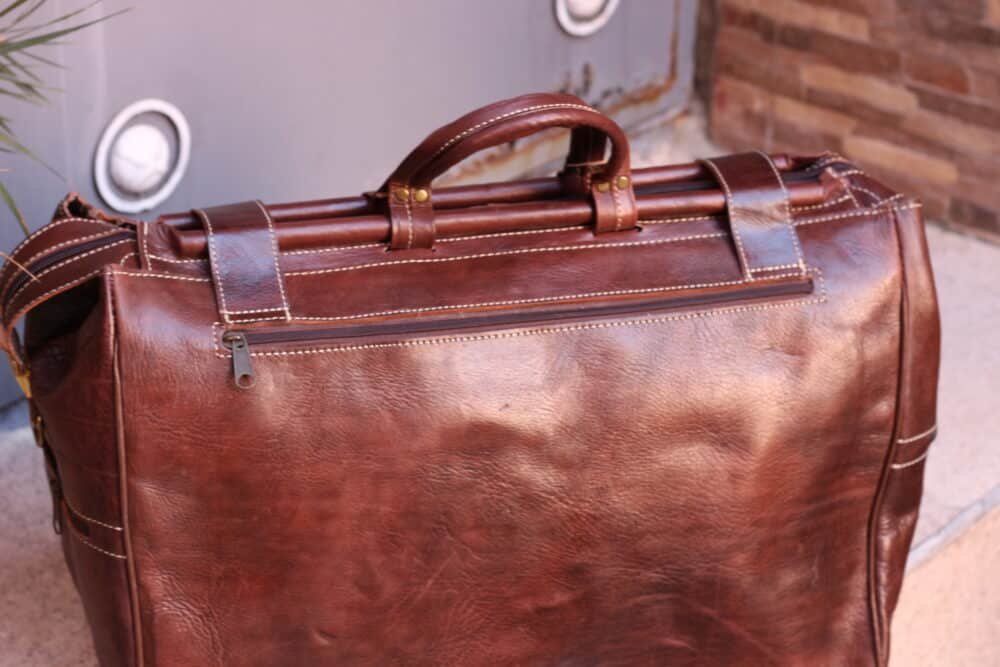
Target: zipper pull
237, 343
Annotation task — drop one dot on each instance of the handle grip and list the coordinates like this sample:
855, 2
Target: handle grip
408, 190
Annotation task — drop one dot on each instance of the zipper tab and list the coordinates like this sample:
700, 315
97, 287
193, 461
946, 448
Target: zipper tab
243, 374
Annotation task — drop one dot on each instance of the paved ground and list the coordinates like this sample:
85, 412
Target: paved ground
949, 614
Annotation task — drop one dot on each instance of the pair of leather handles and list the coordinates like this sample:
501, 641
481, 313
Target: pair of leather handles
586, 173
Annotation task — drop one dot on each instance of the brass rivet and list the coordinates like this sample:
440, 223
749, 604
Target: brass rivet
421, 195
622, 182
402, 194
603, 186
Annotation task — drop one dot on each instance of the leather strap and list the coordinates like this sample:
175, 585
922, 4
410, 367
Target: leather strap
62, 255
408, 189
243, 254
759, 214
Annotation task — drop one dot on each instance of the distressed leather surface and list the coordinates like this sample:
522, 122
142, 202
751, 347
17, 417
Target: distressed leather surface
724, 482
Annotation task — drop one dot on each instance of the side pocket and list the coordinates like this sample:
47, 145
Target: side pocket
916, 422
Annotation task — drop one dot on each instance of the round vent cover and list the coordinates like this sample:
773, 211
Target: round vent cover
142, 155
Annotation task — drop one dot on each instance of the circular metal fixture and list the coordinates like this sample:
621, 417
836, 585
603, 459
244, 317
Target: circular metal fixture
581, 18
142, 156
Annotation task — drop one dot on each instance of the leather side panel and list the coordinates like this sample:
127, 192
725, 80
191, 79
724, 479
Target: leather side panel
916, 424
73, 394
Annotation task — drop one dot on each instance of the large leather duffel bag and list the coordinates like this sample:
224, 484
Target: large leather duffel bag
665, 416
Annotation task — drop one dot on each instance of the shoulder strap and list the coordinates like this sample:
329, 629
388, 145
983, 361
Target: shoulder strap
63, 254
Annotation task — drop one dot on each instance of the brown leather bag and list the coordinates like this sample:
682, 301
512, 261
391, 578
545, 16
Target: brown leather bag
664, 416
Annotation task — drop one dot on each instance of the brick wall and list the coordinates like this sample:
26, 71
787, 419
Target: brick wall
909, 89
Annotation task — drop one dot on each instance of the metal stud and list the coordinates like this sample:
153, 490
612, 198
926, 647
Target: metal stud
603, 186
622, 182
402, 194
421, 195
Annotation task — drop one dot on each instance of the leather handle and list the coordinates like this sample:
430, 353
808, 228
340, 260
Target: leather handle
408, 190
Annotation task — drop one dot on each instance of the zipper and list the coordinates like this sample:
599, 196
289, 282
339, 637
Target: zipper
239, 341
59, 255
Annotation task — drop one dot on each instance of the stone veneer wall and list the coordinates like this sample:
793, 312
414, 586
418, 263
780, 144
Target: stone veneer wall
909, 89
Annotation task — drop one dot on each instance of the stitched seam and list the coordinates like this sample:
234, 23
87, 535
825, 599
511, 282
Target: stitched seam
126, 258
83, 516
669, 221
537, 331
274, 258
911, 462
788, 210
729, 205
84, 540
63, 244
42, 297
504, 253
62, 264
919, 436
165, 276
123, 504
313, 251
214, 262
813, 207
878, 199
174, 261
855, 214
409, 223
255, 310
776, 266
849, 172
539, 300
517, 112
52, 225
143, 231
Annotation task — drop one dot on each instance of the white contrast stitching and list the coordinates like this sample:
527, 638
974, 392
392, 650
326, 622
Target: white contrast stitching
214, 261
517, 112
911, 462
274, 258
788, 210
165, 276
48, 250
126, 258
83, 540
255, 310
175, 261
538, 300
692, 218
729, 205
618, 215
52, 225
537, 331
312, 251
813, 207
83, 516
919, 436
503, 253
855, 214
42, 297
46, 228
850, 172
775, 267
65, 262
144, 232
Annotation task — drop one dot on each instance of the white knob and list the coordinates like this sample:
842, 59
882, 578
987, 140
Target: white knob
140, 159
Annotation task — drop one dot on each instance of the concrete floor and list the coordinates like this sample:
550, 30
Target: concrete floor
949, 611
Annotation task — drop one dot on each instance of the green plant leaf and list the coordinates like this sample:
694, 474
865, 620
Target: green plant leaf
20, 32
12, 205
11, 7
21, 44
